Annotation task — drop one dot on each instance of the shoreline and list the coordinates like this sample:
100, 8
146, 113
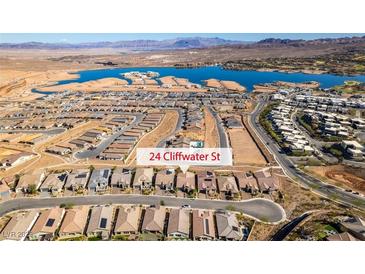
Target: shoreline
75, 84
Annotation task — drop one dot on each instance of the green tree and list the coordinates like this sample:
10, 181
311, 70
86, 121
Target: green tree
32, 189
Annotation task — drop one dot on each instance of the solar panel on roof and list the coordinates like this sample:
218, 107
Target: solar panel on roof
50, 222
103, 222
82, 175
206, 226
62, 177
106, 173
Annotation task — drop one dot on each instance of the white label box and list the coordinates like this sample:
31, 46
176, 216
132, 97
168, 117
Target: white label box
184, 157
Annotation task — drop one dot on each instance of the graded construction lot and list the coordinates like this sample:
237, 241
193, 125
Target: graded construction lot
244, 148
342, 176
211, 131
88, 86
162, 131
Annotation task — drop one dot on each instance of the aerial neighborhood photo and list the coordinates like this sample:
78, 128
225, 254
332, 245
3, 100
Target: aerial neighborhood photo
182, 137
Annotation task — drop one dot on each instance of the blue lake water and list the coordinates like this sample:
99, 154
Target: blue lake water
198, 75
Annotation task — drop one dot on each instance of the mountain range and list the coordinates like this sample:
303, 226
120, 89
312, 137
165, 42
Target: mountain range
178, 43
187, 43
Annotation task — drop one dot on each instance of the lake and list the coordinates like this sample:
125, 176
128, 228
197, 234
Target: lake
197, 75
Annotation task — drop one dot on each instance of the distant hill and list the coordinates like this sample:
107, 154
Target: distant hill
301, 42
178, 43
191, 43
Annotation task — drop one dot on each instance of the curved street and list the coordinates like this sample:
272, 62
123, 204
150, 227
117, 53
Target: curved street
259, 209
223, 139
317, 186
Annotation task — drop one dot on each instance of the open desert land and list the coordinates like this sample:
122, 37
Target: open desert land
89, 86
211, 139
296, 201
340, 175
244, 149
166, 128
18, 85
4, 152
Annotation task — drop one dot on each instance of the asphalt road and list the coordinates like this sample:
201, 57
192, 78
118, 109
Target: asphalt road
105, 143
329, 191
286, 229
223, 139
261, 209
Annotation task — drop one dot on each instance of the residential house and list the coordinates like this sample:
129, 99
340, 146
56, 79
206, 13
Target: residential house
128, 219
178, 225
353, 149
74, 223
15, 159
203, 225
227, 226
143, 178
154, 220
227, 185
19, 226
59, 150
233, 122
53, 183
180, 142
27, 180
77, 179
186, 181
46, 225
165, 179
355, 226
99, 180
247, 182
206, 182
121, 178
266, 182
100, 222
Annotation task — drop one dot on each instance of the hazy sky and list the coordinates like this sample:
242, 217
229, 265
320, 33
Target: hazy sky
95, 37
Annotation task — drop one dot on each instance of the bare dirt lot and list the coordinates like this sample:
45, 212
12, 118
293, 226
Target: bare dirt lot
151, 139
211, 131
341, 175
244, 148
17, 85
